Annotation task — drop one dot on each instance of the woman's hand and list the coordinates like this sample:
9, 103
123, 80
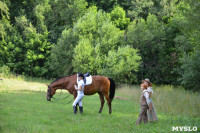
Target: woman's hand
80, 88
75, 87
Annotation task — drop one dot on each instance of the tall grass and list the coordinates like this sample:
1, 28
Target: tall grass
169, 99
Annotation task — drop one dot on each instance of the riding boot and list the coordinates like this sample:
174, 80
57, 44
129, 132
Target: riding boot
75, 109
81, 109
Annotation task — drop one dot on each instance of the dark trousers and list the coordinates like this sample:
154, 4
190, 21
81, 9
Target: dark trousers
142, 115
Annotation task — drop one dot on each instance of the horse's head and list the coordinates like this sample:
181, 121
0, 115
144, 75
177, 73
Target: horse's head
49, 93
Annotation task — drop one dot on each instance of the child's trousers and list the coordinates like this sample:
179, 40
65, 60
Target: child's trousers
142, 115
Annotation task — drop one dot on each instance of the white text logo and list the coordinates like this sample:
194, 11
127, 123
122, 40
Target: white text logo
184, 128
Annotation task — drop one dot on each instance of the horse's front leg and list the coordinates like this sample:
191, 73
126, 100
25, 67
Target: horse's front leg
102, 101
75, 94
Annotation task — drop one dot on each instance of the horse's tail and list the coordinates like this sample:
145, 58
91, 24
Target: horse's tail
112, 88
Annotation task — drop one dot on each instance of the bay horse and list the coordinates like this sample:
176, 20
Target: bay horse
104, 86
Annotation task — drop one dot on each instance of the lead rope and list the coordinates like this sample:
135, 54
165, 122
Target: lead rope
56, 100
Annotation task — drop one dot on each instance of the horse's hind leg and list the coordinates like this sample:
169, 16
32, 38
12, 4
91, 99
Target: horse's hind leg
102, 101
109, 103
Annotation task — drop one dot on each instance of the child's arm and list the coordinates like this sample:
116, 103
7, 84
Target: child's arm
146, 94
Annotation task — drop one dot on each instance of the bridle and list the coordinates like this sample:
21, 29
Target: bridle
49, 91
56, 100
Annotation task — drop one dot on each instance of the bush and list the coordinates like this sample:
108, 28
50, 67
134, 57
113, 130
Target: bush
158, 55
191, 71
83, 56
122, 64
4, 71
62, 54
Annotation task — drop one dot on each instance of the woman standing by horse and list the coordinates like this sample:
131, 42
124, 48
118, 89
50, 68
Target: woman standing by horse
104, 86
80, 93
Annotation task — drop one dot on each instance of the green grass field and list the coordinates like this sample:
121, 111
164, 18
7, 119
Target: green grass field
24, 108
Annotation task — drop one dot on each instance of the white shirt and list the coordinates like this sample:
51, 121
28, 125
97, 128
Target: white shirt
81, 84
146, 94
149, 89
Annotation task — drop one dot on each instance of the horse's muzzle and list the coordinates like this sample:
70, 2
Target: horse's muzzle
48, 99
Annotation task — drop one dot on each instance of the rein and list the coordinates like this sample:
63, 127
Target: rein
57, 100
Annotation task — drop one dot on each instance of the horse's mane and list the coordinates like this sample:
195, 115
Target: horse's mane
61, 78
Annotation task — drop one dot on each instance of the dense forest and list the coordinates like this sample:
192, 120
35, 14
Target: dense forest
128, 40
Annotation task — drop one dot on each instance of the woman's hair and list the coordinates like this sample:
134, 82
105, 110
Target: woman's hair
80, 75
149, 84
143, 85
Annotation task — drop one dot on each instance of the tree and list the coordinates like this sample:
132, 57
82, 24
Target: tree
4, 10
105, 5
118, 16
101, 48
35, 49
62, 54
149, 38
9, 39
163, 9
122, 64
103, 35
83, 56
190, 73
188, 43
63, 15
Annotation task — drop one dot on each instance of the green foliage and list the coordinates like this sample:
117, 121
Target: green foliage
163, 9
118, 16
140, 8
36, 48
157, 55
83, 56
63, 14
4, 10
102, 34
62, 54
189, 43
122, 64
104, 37
27, 51
190, 17
109, 38
39, 13
165, 32
4, 71
105, 5
11, 46
191, 71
